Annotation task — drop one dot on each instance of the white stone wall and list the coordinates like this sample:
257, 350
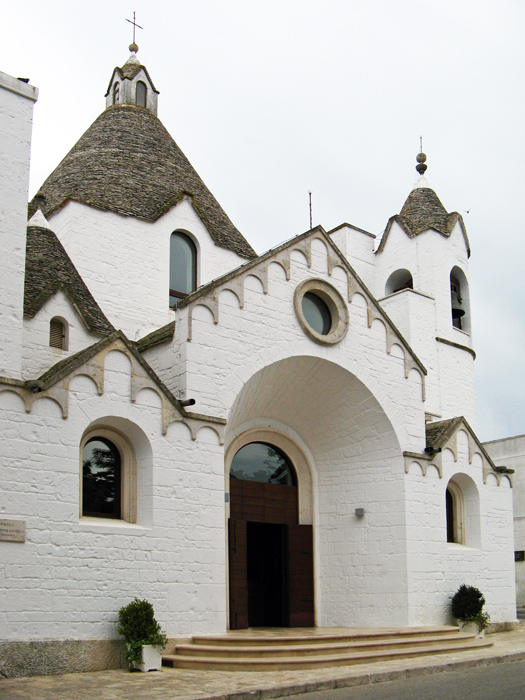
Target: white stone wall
510, 452
72, 574
358, 248
125, 262
437, 568
38, 357
16, 116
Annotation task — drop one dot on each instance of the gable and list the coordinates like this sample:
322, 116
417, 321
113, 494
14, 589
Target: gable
54, 383
234, 282
441, 435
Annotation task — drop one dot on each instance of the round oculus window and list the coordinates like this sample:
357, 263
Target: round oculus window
316, 313
321, 311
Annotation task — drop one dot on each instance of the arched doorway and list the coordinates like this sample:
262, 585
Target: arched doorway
270, 554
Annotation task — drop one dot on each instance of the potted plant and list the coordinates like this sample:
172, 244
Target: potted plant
143, 634
467, 608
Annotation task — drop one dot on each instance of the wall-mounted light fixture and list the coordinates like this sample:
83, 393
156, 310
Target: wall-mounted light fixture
359, 512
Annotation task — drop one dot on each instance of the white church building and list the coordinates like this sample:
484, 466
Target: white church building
285, 439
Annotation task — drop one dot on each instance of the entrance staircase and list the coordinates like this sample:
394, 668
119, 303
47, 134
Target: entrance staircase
296, 649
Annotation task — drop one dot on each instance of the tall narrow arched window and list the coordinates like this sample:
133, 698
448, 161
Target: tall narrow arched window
58, 333
183, 266
455, 510
459, 299
142, 92
116, 92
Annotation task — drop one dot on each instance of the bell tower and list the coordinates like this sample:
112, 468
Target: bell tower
132, 85
422, 282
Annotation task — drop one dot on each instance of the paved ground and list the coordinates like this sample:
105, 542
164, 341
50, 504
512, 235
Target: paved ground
173, 684
504, 681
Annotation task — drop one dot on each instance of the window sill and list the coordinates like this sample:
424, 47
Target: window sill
109, 525
454, 546
460, 330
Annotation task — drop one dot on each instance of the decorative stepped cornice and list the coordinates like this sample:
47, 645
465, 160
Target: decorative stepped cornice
54, 384
442, 435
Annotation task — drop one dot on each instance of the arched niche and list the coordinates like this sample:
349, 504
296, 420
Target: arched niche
462, 509
399, 280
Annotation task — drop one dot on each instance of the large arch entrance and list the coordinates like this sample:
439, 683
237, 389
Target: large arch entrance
270, 553
348, 459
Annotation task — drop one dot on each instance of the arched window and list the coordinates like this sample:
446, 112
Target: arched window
116, 92
142, 92
262, 462
459, 300
399, 280
183, 266
101, 466
108, 476
58, 333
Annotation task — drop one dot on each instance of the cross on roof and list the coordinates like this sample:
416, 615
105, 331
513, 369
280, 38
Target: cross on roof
134, 25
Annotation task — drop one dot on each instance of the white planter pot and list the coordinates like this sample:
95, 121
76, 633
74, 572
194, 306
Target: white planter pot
471, 628
151, 659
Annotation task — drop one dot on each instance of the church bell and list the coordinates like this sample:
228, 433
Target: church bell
457, 309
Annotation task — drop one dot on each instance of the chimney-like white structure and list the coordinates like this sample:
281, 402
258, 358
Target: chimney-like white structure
17, 99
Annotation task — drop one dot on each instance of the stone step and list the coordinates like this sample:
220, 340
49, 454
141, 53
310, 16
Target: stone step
322, 648
285, 663
266, 638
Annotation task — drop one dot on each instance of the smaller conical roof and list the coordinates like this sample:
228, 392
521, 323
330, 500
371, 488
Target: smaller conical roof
423, 211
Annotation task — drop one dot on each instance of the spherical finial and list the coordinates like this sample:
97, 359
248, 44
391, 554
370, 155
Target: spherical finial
421, 167
133, 48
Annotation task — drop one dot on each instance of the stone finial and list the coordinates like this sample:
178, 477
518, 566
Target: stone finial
421, 166
133, 47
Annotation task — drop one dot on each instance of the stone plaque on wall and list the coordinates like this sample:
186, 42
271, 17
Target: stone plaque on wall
12, 530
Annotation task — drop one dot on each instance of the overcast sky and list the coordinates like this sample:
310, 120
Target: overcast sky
271, 99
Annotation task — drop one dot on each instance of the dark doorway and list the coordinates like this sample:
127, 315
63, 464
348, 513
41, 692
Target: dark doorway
267, 576
270, 554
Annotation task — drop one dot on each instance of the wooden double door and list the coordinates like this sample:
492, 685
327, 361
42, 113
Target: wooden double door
270, 558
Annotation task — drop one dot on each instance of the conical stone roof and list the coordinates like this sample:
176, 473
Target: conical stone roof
127, 163
423, 211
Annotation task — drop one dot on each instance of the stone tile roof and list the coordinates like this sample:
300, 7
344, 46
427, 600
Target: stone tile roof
48, 269
157, 337
423, 211
440, 432
127, 163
